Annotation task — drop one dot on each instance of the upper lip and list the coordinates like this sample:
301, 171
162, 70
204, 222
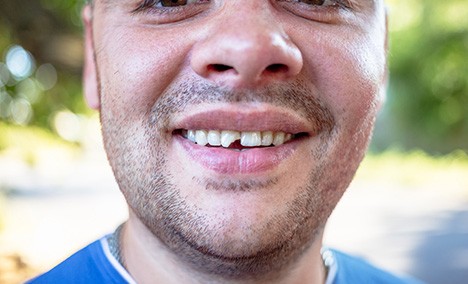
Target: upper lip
245, 119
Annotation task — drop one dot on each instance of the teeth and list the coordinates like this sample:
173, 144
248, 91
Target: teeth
228, 137
267, 138
201, 137
247, 138
251, 139
191, 134
214, 138
278, 138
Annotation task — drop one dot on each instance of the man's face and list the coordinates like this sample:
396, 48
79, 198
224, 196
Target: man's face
305, 74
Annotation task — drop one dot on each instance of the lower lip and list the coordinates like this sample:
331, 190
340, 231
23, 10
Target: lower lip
225, 161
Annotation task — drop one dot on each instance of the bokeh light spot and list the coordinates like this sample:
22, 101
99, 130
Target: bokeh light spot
4, 74
67, 125
46, 74
21, 111
5, 100
19, 62
29, 89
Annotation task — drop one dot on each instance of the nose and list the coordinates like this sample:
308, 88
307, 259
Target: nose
246, 48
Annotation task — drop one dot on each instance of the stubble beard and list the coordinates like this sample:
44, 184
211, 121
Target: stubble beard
136, 151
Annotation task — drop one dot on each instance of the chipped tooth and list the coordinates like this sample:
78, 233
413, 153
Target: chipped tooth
191, 135
267, 138
201, 137
214, 138
228, 137
225, 138
251, 139
278, 138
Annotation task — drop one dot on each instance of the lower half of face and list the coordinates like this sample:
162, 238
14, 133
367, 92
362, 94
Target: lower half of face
234, 212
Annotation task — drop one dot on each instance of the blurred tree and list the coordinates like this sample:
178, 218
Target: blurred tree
46, 35
49, 29
428, 96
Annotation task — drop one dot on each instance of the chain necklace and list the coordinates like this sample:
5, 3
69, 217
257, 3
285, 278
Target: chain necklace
114, 244
114, 240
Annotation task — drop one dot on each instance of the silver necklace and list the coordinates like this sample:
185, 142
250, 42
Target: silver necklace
115, 248
114, 244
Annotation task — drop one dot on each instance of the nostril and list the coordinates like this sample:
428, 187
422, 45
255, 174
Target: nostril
219, 67
277, 68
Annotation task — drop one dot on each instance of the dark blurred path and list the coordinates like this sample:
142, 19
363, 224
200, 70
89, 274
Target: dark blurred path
442, 256
421, 232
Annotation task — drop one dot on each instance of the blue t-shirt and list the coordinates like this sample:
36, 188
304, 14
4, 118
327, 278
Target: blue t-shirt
95, 264
92, 264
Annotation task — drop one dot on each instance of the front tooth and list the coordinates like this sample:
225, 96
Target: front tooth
251, 139
214, 138
201, 137
191, 135
267, 138
278, 138
228, 137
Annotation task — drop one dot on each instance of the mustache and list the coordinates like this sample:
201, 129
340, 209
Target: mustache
296, 96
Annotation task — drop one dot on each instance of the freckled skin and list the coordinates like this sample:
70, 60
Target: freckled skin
145, 71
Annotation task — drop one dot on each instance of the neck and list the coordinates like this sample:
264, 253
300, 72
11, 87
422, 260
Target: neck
147, 259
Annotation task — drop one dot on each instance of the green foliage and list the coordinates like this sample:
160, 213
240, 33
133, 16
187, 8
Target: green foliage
50, 32
69, 11
428, 95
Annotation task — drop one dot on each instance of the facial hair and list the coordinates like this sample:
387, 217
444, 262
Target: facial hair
136, 151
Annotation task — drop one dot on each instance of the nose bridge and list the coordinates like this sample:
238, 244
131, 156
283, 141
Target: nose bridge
246, 44
250, 24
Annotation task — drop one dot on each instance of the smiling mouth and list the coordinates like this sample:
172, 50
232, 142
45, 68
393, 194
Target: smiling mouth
239, 140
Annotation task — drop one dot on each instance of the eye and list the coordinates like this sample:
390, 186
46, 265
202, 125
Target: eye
313, 2
172, 3
168, 11
319, 10
319, 2
147, 4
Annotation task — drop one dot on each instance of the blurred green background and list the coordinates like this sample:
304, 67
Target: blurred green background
428, 93
427, 102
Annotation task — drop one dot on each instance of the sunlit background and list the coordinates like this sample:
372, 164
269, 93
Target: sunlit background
406, 211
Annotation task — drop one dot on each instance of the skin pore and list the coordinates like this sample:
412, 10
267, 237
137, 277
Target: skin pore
314, 69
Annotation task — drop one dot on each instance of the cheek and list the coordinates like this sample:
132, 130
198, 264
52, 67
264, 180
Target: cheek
348, 74
135, 75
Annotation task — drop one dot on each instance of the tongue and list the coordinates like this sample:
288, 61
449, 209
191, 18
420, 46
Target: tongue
236, 145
